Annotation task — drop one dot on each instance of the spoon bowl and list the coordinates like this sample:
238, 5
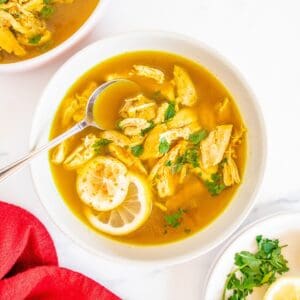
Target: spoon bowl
103, 101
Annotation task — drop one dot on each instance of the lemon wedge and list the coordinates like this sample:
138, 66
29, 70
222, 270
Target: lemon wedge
103, 183
285, 288
130, 215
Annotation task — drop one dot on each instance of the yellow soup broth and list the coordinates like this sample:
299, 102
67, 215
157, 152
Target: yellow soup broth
192, 206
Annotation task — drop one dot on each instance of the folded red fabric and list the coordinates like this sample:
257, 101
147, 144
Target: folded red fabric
29, 266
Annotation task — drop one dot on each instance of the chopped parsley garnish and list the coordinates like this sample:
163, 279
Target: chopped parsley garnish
47, 11
164, 146
47, 1
174, 220
255, 269
35, 39
198, 136
168, 163
191, 156
98, 145
170, 111
3, 1
137, 150
146, 130
215, 186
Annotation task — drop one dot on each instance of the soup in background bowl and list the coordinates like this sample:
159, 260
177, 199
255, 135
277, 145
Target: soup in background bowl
34, 31
196, 154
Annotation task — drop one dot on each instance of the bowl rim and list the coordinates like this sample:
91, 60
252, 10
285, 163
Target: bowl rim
236, 236
78, 35
235, 225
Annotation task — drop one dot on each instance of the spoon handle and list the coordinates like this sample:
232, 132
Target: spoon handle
20, 163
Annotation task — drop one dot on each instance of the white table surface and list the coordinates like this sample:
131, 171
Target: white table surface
262, 38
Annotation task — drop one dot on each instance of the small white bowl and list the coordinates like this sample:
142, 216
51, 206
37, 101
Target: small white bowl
283, 226
32, 63
225, 224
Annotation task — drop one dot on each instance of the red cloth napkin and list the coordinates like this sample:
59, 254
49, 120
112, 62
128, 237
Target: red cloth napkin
29, 266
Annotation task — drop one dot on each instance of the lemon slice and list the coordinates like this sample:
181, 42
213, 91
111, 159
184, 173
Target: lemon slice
285, 288
128, 216
103, 183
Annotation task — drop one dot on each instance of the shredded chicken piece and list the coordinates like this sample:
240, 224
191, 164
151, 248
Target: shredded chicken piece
230, 170
221, 106
149, 72
82, 154
116, 137
60, 152
185, 89
214, 146
161, 175
160, 117
113, 76
124, 155
75, 110
139, 107
172, 135
137, 140
134, 126
183, 174
161, 206
9, 43
183, 117
238, 136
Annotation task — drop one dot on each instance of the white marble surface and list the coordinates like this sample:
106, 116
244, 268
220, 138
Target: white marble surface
260, 37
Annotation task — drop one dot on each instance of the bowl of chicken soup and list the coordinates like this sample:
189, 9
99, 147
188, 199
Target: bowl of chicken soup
33, 32
180, 169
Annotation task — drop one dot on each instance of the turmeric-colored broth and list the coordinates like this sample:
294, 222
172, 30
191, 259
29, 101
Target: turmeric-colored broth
200, 207
65, 21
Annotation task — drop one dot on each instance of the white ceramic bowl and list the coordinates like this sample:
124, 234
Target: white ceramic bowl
206, 239
283, 226
40, 60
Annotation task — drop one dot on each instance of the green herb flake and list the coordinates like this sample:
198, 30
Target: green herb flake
146, 130
174, 220
215, 186
47, 11
170, 111
168, 163
137, 150
255, 269
98, 145
47, 1
3, 1
164, 146
35, 39
196, 137
191, 156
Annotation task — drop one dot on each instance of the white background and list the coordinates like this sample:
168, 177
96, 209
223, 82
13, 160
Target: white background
260, 37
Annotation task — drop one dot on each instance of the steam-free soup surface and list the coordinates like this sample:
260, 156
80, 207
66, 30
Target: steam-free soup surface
32, 27
173, 162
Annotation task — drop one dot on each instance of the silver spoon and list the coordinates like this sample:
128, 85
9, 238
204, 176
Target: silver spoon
88, 121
